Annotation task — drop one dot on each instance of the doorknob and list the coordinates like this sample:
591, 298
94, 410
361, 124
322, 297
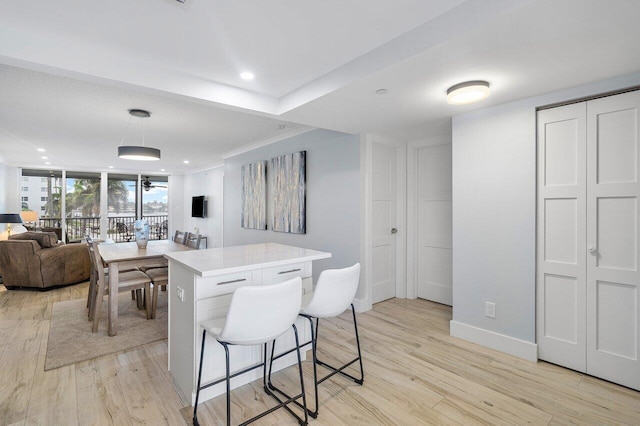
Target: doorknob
591, 249
394, 230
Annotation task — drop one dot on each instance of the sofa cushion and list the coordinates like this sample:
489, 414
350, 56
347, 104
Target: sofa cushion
45, 239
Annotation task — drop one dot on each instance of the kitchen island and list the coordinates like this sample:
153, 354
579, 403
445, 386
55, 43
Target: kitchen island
201, 284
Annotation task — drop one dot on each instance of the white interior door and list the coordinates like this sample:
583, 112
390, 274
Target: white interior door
434, 257
383, 250
561, 275
613, 232
588, 237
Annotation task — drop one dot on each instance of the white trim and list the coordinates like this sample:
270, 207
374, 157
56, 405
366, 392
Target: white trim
490, 339
267, 141
362, 305
366, 159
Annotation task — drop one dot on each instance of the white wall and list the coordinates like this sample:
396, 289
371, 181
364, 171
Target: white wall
333, 197
210, 184
494, 218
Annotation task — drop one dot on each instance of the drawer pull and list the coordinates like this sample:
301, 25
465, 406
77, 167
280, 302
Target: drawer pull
232, 281
289, 271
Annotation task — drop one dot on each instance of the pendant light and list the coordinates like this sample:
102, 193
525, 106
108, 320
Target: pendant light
139, 153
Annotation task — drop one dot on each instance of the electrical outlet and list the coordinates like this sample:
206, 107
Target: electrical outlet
180, 293
490, 309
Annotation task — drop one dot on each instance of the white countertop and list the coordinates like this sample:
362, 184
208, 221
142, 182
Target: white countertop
225, 260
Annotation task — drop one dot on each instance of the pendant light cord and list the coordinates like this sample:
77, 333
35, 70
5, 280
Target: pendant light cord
126, 129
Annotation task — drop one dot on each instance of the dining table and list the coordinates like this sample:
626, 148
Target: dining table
119, 256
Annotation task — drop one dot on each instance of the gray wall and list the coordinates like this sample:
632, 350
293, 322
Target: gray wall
494, 215
333, 197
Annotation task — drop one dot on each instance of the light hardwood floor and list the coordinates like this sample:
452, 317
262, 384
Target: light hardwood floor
415, 374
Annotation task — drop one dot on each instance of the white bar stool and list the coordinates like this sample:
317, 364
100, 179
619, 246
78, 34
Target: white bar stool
333, 294
257, 315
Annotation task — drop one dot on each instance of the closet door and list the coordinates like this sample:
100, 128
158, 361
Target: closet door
613, 232
561, 251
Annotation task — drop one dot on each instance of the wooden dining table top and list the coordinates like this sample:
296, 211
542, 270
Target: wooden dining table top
119, 252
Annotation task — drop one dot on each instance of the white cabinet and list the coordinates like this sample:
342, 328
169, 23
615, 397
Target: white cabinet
200, 289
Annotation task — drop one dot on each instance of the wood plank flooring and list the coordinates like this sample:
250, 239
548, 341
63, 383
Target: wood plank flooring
415, 374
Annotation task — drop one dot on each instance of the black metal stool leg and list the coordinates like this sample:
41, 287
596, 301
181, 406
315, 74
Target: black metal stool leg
314, 336
355, 326
304, 395
228, 382
195, 406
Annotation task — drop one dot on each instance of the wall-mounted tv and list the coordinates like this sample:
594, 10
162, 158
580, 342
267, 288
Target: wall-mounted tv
198, 206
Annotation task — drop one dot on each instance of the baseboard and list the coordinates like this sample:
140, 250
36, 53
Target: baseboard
499, 342
362, 305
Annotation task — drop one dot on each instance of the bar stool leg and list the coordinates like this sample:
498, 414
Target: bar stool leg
195, 405
228, 382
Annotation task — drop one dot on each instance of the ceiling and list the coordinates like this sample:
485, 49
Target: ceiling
70, 70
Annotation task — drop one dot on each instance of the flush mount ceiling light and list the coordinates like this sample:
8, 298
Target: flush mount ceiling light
247, 75
467, 92
139, 153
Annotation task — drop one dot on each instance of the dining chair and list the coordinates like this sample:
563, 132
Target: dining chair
179, 237
257, 316
192, 240
129, 280
333, 294
160, 275
93, 279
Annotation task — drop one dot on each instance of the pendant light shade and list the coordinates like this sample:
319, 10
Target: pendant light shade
467, 92
138, 153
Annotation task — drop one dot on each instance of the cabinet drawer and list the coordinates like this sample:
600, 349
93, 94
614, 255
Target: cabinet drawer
278, 274
224, 284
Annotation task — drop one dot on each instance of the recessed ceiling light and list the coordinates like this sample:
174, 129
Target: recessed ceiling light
186, 161
47, 162
162, 170
467, 92
382, 91
111, 167
44, 157
41, 149
247, 75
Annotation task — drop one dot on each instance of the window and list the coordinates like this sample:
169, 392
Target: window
25, 198
82, 202
155, 205
49, 184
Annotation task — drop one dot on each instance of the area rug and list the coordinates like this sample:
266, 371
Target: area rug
71, 340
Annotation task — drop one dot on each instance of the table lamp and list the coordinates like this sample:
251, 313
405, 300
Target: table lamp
10, 218
30, 217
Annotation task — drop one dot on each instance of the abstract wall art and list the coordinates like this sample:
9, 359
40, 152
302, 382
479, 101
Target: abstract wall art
287, 177
254, 195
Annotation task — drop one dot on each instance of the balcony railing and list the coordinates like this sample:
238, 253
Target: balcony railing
120, 228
